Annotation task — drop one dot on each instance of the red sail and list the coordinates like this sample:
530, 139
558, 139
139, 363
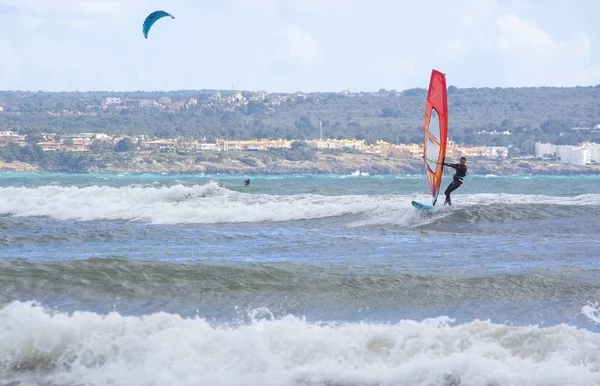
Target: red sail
436, 131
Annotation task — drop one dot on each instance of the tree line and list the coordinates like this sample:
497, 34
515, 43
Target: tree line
530, 114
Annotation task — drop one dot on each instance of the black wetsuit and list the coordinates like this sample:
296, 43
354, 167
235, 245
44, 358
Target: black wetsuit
457, 180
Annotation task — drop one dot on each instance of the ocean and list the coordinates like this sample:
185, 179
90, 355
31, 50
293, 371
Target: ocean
331, 280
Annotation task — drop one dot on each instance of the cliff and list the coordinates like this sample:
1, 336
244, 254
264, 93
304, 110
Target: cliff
316, 163
18, 167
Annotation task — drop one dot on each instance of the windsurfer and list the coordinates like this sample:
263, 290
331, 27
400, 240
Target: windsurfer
457, 180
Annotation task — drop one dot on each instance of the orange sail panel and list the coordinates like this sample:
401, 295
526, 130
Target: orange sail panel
436, 131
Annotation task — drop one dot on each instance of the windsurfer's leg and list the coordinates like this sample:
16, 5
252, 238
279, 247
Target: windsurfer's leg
452, 187
447, 193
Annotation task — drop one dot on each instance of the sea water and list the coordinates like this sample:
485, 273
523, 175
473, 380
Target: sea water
298, 280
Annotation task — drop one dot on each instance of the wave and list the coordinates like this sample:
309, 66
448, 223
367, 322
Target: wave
211, 203
48, 347
286, 286
207, 204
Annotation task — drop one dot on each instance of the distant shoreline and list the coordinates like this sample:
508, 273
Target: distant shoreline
249, 163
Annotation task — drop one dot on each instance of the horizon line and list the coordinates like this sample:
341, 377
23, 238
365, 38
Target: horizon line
292, 92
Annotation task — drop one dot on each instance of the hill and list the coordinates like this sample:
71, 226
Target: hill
529, 114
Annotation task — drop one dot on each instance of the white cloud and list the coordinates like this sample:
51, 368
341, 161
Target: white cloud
75, 13
524, 36
454, 51
99, 6
534, 57
291, 6
301, 46
10, 65
33, 21
294, 46
257, 5
320, 5
394, 73
478, 10
38, 7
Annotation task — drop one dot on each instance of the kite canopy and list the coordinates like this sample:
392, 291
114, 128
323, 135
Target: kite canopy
152, 18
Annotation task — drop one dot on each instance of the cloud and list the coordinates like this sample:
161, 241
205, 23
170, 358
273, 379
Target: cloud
534, 57
301, 47
310, 6
288, 6
38, 7
478, 10
523, 36
10, 65
394, 73
33, 21
294, 47
454, 50
75, 13
257, 5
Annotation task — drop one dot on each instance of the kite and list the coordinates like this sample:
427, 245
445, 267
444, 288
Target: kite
153, 18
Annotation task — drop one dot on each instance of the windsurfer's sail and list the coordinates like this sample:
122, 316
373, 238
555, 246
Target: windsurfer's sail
436, 131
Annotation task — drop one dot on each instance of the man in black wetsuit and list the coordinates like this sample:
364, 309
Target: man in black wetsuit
457, 180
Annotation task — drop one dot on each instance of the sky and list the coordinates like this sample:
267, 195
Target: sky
297, 45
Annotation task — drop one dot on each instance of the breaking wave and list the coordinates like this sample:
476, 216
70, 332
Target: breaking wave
211, 203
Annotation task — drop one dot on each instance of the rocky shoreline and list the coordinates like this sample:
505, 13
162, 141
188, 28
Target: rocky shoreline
319, 163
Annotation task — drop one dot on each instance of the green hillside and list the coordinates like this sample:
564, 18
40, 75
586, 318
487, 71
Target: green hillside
530, 114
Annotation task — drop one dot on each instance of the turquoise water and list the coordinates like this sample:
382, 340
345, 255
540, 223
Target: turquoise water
298, 279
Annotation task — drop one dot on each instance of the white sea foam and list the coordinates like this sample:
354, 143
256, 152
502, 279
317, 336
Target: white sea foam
165, 349
592, 312
211, 203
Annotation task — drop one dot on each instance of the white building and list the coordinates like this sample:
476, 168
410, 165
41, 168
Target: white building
207, 146
336, 144
544, 150
112, 101
256, 147
577, 155
496, 151
146, 102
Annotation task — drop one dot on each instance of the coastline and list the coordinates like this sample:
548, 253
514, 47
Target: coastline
320, 163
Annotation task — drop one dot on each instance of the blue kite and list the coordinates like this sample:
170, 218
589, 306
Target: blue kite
151, 19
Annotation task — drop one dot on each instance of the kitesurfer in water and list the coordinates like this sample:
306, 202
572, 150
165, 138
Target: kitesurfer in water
247, 182
457, 180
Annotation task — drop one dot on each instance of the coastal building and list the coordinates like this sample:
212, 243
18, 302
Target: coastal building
406, 151
161, 145
191, 102
147, 102
455, 151
51, 146
207, 147
415, 151
280, 145
494, 132
584, 154
11, 137
335, 144
79, 145
255, 147
112, 101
